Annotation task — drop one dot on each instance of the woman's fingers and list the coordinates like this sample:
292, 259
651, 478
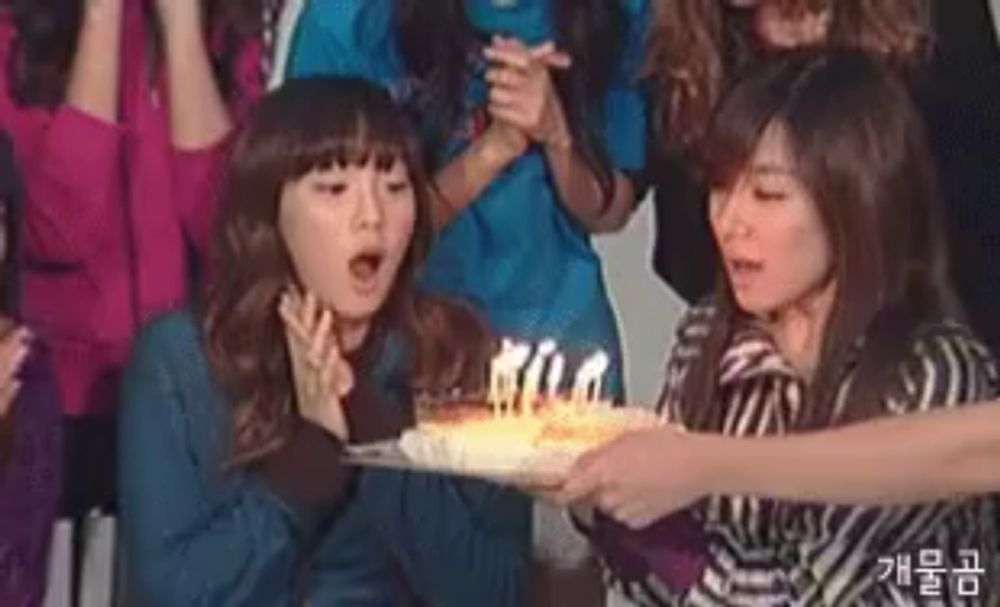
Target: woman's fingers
509, 57
505, 114
512, 53
551, 56
308, 312
504, 98
296, 329
320, 340
506, 79
585, 481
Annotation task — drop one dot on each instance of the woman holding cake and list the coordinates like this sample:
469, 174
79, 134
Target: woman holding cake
311, 336
835, 308
900, 460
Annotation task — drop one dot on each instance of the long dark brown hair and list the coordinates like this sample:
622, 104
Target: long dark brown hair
306, 125
435, 40
47, 32
698, 47
860, 151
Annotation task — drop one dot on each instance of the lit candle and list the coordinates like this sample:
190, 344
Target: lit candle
519, 354
587, 385
533, 376
601, 364
497, 365
554, 377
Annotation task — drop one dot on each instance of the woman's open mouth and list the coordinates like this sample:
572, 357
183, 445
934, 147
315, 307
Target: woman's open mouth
742, 270
364, 268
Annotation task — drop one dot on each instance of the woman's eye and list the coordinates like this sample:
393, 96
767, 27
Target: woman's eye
331, 189
769, 194
398, 186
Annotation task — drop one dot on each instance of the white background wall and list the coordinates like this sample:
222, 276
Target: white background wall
647, 310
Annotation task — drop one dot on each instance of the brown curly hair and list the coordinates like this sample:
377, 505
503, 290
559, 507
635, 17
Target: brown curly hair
310, 124
698, 45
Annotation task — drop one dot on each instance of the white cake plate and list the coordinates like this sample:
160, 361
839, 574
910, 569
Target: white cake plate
387, 454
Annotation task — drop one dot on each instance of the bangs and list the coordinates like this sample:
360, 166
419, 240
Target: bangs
318, 123
734, 134
355, 144
769, 96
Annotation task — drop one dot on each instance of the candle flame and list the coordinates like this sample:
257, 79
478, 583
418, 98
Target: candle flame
507, 366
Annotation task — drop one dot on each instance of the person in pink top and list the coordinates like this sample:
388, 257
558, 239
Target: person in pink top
119, 111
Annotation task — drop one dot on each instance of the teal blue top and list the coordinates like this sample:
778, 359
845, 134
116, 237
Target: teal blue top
515, 253
199, 536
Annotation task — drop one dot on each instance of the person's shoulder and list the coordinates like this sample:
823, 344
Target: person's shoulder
947, 363
168, 376
949, 341
171, 341
170, 330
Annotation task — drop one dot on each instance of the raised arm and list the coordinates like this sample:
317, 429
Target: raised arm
95, 74
200, 119
198, 113
73, 180
906, 459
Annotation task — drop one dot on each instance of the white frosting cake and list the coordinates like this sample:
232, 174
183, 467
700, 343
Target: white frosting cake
470, 438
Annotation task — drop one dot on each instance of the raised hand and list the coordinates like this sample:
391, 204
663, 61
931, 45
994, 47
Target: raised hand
321, 374
522, 93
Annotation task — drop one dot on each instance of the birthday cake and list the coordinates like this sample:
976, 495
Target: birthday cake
519, 428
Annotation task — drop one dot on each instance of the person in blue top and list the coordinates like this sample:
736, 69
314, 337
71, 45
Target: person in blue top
310, 336
534, 121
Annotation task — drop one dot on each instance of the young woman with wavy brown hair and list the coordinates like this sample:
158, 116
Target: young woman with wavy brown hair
534, 122
311, 335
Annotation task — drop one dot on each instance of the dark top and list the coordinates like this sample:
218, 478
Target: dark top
29, 484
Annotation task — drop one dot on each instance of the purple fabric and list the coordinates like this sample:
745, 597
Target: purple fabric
672, 550
29, 487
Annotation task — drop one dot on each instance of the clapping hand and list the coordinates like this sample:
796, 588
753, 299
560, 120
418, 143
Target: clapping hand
522, 93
